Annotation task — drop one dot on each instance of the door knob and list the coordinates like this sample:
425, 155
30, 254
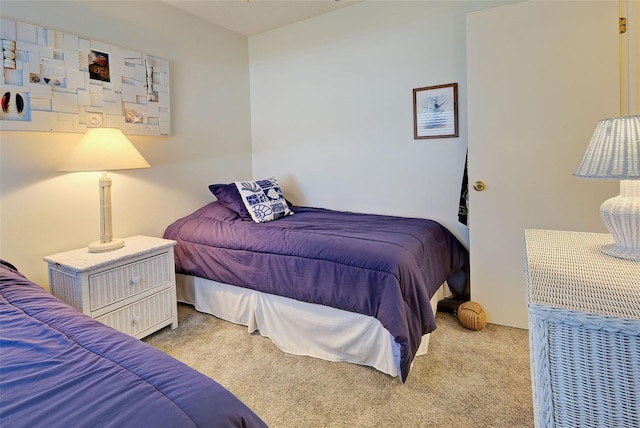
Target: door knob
478, 186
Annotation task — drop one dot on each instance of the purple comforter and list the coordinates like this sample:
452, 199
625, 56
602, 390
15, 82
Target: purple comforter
60, 368
381, 266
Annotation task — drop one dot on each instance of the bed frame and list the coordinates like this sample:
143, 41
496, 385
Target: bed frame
301, 328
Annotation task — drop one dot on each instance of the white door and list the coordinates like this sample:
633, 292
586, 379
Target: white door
540, 75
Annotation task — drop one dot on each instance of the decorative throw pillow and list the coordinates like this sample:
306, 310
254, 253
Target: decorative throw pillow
263, 199
228, 195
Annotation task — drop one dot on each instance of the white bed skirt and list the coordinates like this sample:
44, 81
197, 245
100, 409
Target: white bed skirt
301, 328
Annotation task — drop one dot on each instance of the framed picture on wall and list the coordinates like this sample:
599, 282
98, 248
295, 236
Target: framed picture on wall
99, 66
435, 111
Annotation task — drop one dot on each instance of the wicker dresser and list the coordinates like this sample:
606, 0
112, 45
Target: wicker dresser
132, 289
584, 330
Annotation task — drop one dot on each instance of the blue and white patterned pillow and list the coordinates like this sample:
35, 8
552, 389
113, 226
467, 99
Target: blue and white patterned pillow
263, 199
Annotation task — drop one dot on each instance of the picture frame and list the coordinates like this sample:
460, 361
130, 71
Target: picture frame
99, 66
435, 111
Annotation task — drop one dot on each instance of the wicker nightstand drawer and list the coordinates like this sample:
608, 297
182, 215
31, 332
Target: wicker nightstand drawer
142, 315
117, 284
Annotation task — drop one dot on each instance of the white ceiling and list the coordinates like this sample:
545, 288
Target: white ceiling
250, 17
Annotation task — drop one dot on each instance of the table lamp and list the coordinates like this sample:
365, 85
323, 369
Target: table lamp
104, 149
614, 153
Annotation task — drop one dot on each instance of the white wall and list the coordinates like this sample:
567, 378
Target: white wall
332, 108
331, 116
43, 211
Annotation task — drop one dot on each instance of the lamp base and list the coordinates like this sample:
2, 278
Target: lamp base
621, 216
621, 252
103, 247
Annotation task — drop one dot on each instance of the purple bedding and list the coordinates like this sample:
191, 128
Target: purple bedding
381, 266
60, 368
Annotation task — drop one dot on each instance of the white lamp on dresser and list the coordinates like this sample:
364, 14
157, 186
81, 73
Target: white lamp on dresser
614, 153
104, 149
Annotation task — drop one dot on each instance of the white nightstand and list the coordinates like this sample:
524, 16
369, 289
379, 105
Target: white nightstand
584, 330
132, 289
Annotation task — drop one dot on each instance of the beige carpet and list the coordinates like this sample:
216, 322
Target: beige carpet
467, 379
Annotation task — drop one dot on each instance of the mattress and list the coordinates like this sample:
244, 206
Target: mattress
60, 368
384, 267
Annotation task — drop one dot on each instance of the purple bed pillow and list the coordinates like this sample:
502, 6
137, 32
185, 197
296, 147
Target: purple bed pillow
228, 195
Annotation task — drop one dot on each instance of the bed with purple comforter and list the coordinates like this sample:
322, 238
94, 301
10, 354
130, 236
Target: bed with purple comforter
60, 368
380, 266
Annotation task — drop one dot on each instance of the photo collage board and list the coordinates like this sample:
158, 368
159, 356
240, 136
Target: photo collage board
58, 82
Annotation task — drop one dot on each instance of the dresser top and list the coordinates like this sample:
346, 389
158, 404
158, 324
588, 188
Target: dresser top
567, 270
82, 260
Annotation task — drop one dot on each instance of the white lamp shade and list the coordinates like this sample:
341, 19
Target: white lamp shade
614, 150
104, 149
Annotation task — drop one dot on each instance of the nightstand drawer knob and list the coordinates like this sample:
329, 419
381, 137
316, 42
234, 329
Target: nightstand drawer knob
136, 319
135, 280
